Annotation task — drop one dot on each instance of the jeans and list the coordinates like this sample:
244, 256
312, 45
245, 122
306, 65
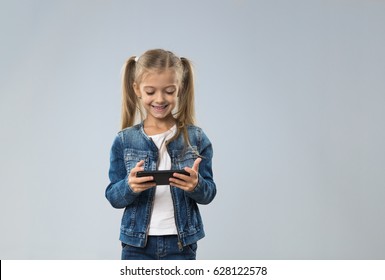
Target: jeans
160, 248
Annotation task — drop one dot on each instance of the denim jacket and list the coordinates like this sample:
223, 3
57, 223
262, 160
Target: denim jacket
132, 145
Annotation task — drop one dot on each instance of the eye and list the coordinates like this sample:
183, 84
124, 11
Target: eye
170, 90
148, 90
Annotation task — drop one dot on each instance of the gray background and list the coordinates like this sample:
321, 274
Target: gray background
291, 93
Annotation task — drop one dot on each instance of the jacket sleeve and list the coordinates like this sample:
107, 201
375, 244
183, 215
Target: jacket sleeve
118, 192
205, 190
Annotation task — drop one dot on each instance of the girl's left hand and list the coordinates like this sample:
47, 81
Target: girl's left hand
184, 182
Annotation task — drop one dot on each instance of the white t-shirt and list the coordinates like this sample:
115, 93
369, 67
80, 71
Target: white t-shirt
162, 218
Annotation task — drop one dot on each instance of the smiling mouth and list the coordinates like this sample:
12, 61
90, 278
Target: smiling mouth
159, 108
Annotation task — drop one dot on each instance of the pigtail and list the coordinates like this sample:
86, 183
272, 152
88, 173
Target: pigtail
130, 104
186, 108
186, 95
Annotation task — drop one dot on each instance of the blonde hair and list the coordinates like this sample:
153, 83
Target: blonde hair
158, 60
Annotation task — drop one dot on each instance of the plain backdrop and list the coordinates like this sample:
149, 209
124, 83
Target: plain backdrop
291, 94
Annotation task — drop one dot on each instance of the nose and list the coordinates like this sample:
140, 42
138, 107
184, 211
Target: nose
159, 98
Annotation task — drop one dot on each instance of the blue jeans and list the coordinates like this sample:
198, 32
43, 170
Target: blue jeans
160, 248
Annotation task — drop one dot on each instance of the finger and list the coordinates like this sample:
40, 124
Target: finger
138, 167
181, 176
183, 180
146, 185
142, 187
139, 163
196, 164
141, 180
177, 183
183, 185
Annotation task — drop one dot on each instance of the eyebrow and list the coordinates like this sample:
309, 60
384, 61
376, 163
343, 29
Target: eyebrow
172, 85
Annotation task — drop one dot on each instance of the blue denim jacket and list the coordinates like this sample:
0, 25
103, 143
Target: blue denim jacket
132, 145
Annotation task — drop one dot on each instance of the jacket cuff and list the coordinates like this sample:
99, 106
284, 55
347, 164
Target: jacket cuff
128, 194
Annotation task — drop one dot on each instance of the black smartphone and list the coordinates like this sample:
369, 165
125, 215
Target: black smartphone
161, 177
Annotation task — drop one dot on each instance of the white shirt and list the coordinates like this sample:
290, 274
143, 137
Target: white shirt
162, 217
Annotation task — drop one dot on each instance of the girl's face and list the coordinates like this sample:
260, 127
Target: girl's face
158, 92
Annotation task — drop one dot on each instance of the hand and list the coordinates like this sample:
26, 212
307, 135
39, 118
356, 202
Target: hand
139, 184
184, 182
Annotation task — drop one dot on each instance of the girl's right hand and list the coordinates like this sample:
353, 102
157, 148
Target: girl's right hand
139, 184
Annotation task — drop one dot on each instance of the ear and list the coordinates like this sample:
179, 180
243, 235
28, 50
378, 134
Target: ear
137, 90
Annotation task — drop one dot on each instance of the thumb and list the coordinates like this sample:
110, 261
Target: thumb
196, 164
139, 163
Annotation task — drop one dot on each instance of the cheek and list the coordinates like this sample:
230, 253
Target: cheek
172, 99
146, 100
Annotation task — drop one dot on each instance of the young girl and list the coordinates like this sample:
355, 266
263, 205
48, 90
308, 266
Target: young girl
163, 221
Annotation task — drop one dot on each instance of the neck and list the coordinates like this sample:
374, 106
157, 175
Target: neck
154, 126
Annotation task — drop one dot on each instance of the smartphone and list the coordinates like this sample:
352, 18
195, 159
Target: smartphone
161, 177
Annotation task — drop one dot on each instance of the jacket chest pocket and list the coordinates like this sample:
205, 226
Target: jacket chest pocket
185, 157
132, 157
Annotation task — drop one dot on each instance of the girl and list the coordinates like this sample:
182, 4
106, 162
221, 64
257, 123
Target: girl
160, 222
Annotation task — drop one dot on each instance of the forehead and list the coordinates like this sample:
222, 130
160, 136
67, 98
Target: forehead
159, 78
